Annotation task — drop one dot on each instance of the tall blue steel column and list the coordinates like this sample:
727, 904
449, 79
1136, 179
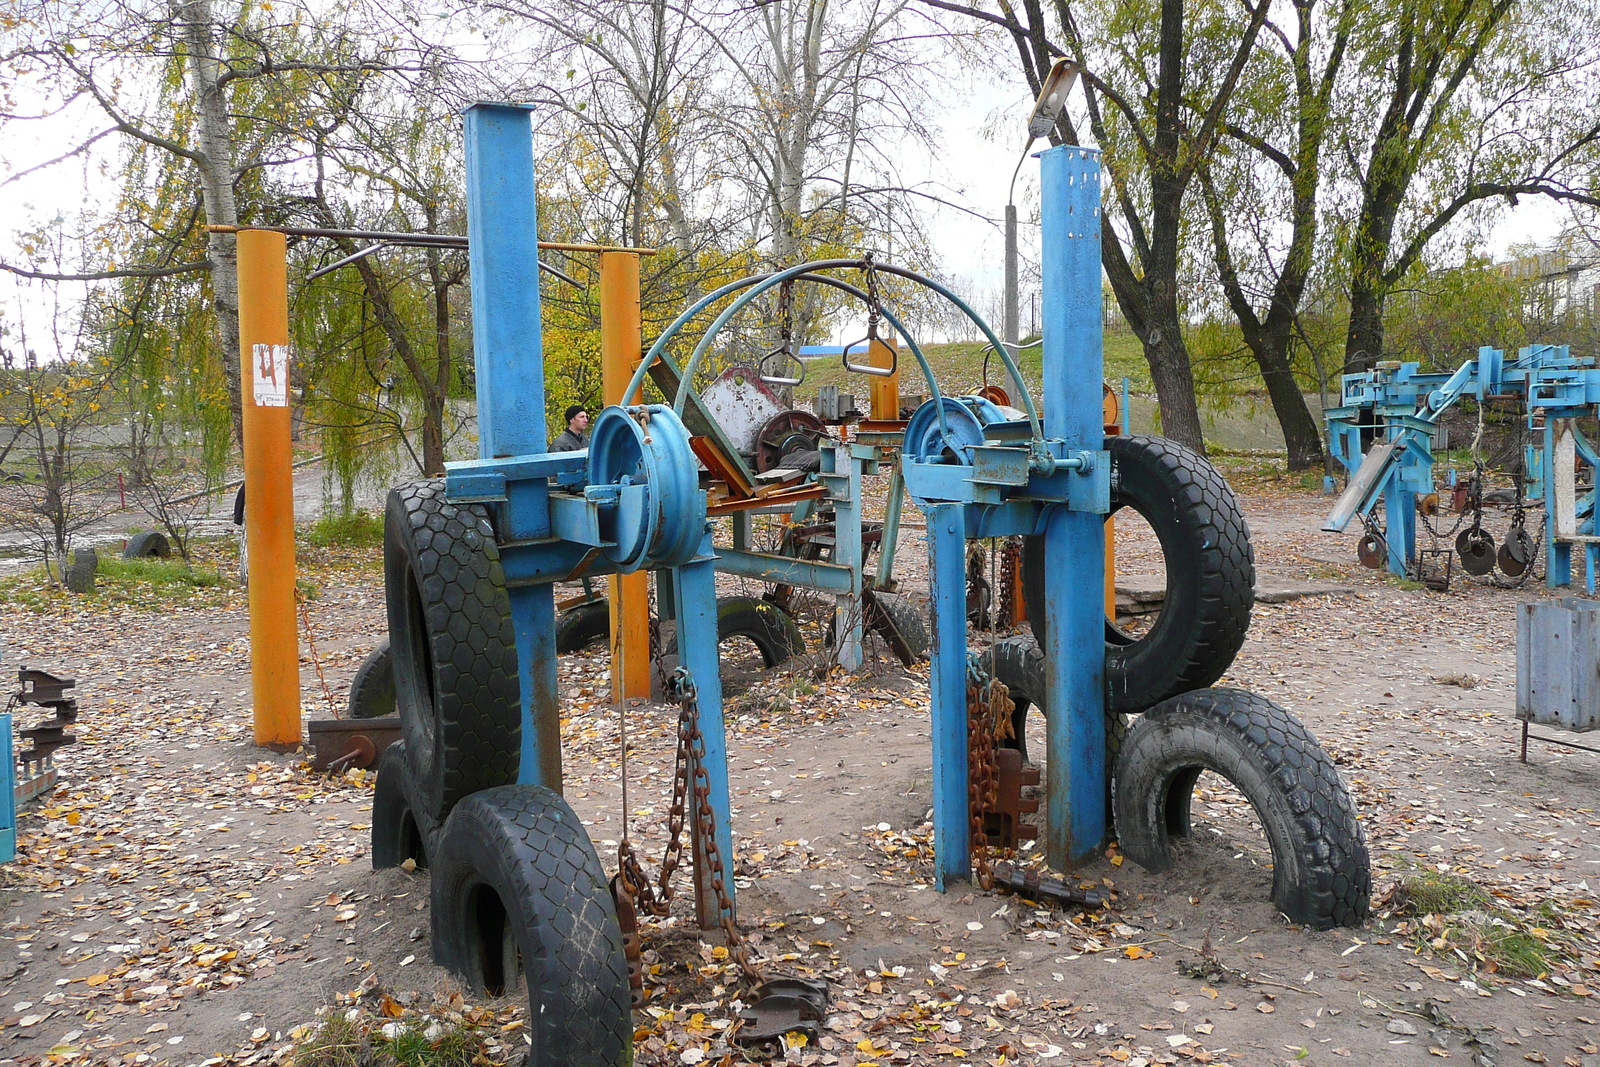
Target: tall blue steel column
947, 578
695, 589
503, 251
1074, 599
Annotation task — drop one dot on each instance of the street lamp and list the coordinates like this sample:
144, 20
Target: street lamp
1046, 110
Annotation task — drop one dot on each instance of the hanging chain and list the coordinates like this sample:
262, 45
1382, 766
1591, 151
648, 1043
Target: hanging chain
985, 701
874, 301
311, 644
689, 776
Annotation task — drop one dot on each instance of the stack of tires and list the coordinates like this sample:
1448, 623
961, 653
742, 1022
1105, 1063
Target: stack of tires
518, 895
1321, 873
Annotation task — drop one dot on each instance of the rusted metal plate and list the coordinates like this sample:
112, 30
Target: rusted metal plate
337, 744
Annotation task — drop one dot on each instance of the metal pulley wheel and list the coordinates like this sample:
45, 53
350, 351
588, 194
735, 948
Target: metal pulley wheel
643, 474
1517, 553
785, 433
1476, 549
964, 420
1371, 551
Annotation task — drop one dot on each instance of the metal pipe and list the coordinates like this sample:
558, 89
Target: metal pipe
269, 487
399, 238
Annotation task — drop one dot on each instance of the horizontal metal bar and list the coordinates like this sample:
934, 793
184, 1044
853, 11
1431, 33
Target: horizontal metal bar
785, 570
394, 237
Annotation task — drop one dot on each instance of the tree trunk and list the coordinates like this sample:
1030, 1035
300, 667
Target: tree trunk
216, 185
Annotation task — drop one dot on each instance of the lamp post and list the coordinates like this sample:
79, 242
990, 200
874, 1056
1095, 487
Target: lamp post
1046, 110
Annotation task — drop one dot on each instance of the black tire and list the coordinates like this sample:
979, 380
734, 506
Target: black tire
149, 543
399, 832
454, 657
1020, 665
515, 868
773, 630
1321, 874
907, 618
372, 689
1210, 574
582, 625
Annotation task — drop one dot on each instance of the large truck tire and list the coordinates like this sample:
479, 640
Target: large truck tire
453, 651
1321, 873
1210, 574
517, 887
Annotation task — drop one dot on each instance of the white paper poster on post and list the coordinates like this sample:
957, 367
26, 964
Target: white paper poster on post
270, 372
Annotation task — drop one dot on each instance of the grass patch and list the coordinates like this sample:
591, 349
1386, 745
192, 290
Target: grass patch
150, 583
1457, 920
1425, 891
382, 1033
356, 529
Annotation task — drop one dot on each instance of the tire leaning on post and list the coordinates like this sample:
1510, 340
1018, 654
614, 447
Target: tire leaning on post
1321, 872
1210, 573
453, 652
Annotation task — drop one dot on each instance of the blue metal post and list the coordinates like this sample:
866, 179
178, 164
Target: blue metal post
8, 793
503, 236
947, 573
1400, 514
695, 587
1074, 640
841, 473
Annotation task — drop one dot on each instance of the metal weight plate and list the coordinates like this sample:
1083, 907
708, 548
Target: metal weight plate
1520, 543
1370, 550
1477, 553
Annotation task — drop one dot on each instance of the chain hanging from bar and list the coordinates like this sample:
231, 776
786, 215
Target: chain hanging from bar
988, 707
689, 777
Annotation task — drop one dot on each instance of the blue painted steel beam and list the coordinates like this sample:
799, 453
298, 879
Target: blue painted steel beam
695, 590
1074, 640
947, 571
503, 251
8, 792
785, 570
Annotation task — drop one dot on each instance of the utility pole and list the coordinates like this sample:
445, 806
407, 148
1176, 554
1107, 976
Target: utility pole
1009, 327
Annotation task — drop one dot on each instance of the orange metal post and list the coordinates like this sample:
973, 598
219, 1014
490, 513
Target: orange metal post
885, 399
1115, 422
621, 347
269, 487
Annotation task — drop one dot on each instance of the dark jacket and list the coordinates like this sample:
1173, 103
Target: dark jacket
570, 442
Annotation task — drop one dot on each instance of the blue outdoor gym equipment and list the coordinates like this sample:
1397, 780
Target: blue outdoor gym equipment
1399, 408
473, 788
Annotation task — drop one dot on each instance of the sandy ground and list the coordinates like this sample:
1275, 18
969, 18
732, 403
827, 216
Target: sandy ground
185, 897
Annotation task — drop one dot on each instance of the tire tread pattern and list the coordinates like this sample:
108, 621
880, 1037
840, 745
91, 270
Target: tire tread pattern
476, 707
525, 843
1322, 871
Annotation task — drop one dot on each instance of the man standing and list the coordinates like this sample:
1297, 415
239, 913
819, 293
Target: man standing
575, 437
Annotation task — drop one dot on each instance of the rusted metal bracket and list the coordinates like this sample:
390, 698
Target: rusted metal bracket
1004, 823
337, 744
48, 691
783, 1006
1053, 891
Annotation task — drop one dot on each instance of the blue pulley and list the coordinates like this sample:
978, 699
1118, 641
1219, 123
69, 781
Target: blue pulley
643, 474
964, 419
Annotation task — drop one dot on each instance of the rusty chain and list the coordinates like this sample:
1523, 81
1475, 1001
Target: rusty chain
988, 702
689, 776
311, 643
